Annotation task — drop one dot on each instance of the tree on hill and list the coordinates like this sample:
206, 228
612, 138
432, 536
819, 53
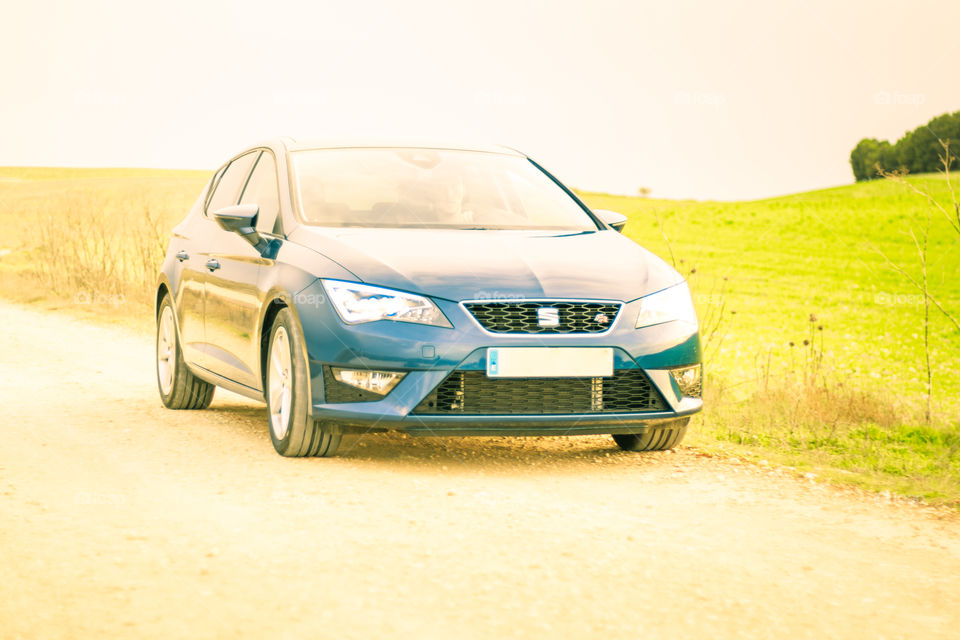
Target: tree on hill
918, 151
868, 154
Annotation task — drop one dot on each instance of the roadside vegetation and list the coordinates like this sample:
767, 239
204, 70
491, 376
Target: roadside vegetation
816, 354
815, 346
89, 240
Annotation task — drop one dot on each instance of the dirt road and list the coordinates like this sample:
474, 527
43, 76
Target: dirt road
121, 518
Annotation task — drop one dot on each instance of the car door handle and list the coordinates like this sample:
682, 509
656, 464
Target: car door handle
212, 264
182, 255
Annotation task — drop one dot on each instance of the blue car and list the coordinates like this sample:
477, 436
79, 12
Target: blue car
432, 289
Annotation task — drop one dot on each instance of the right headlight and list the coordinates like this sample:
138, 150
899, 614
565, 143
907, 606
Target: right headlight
668, 305
357, 303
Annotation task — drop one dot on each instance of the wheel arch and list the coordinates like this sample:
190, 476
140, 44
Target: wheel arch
270, 313
163, 289
279, 300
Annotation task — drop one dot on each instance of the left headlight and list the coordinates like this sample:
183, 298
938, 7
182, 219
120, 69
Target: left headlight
357, 303
670, 304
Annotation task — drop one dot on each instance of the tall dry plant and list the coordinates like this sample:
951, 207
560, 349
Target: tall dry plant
713, 303
919, 232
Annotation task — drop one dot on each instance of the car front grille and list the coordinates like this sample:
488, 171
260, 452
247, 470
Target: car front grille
474, 393
521, 316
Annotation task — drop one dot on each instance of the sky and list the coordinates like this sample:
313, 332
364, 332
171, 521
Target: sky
705, 100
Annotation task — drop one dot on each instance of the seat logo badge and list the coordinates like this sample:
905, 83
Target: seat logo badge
548, 316
601, 318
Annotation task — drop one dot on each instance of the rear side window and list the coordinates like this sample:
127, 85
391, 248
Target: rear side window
262, 191
227, 191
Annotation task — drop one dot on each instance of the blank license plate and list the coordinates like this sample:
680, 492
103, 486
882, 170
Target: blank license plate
549, 362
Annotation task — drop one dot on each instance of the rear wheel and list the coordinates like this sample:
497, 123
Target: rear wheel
293, 431
656, 439
179, 389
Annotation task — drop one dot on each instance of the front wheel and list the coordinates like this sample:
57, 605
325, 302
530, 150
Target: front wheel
293, 431
654, 439
179, 389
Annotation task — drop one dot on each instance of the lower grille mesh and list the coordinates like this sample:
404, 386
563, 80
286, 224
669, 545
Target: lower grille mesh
472, 392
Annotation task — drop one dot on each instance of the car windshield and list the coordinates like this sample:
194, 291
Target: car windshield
430, 188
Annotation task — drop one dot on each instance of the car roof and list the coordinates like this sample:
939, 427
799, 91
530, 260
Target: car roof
405, 143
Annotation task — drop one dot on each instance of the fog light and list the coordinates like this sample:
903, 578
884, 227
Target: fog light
379, 382
688, 379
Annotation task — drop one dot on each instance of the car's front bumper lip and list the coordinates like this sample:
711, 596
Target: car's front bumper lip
347, 415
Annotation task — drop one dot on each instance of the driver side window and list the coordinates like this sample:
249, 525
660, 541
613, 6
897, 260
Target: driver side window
262, 191
227, 191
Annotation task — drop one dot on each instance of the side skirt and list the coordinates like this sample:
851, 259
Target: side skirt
226, 383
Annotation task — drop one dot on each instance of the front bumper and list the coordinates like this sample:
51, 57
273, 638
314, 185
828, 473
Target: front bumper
429, 354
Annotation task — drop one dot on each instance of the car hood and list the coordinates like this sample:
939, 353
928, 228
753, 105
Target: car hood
482, 264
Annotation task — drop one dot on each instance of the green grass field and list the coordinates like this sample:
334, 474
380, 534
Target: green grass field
814, 253
848, 405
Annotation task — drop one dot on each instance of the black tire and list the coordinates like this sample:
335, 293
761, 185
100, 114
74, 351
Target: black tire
655, 439
293, 431
185, 390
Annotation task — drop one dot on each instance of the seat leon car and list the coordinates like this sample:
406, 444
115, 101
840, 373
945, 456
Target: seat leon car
431, 289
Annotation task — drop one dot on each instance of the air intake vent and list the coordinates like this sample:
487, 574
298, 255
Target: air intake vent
473, 393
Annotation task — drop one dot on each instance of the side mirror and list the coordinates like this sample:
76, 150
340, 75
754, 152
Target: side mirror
616, 220
241, 219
